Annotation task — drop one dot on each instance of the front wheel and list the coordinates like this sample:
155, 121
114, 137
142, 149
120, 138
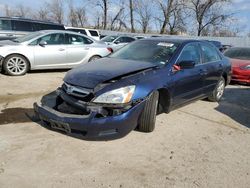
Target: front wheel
148, 116
218, 91
15, 65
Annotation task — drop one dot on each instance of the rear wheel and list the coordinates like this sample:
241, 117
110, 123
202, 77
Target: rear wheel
218, 91
15, 65
148, 116
95, 57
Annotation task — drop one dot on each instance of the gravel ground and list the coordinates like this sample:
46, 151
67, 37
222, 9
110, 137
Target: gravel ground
201, 145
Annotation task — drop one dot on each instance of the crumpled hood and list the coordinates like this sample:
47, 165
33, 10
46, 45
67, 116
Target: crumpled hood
8, 43
91, 74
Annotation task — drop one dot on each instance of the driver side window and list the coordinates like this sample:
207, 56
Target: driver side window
190, 52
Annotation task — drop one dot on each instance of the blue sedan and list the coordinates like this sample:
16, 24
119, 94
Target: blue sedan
109, 97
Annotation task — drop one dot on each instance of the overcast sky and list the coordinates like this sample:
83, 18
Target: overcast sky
240, 8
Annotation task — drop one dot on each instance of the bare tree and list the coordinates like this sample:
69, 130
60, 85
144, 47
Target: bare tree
104, 6
208, 12
144, 11
177, 19
131, 11
22, 11
116, 18
42, 14
8, 11
166, 7
56, 10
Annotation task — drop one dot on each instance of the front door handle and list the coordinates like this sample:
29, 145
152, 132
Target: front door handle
61, 49
203, 72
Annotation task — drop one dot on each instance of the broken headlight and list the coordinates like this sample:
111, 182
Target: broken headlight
117, 96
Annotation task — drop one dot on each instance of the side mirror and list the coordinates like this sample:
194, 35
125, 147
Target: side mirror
43, 43
186, 64
117, 42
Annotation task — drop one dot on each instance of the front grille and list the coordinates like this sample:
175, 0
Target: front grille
80, 93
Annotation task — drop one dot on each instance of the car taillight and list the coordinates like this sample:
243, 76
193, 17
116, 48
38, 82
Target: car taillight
110, 49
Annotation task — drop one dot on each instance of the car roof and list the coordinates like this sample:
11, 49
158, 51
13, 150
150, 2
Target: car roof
64, 31
30, 20
173, 40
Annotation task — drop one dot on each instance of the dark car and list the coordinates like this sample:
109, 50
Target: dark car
14, 27
240, 60
108, 98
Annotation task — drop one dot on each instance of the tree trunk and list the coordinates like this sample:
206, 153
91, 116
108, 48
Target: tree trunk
131, 7
105, 7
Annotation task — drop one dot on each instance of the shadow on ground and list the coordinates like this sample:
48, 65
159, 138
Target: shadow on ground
16, 115
236, 105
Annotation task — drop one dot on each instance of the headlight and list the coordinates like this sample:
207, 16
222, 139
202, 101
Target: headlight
247, 67
117, 96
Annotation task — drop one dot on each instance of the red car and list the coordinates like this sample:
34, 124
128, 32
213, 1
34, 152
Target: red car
240, 59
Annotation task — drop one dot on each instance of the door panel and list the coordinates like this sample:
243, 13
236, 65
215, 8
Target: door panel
212, 65
77, 49
50, 56
53, 54
188, 83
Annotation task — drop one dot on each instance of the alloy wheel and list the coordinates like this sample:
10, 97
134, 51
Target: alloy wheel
16, 65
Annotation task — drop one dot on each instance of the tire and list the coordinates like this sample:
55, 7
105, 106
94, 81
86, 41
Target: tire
148, 116
15, 65
218, 91
95, 57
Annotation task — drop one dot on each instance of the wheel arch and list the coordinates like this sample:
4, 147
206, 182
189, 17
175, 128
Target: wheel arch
164, 101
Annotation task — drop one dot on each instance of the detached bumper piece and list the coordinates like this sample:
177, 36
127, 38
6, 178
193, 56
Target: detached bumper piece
86, 121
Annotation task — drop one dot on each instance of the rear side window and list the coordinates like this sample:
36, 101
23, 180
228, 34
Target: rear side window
77, 40
5, 25
209, 53
93, 33
21, 26
51, 39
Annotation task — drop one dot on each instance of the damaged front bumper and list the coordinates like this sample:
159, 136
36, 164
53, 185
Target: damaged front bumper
90, 125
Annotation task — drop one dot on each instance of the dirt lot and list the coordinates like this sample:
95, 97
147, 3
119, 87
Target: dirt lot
201, 145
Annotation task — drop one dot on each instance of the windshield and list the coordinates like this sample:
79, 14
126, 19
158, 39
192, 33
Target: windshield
150, 51
27, 37
109, 38
238, 53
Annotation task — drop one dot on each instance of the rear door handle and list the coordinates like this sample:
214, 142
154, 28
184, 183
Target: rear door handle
61, 49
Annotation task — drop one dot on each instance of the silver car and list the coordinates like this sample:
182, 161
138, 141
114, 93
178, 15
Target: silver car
117, 42
49, 50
